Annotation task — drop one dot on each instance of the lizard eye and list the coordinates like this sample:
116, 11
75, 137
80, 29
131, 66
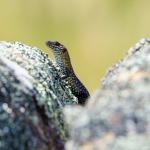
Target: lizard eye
57, 43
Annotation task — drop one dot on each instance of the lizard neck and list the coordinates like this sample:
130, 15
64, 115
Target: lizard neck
63, 61
78, 89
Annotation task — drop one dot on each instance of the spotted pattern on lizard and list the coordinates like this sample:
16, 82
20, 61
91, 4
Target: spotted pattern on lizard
63, 61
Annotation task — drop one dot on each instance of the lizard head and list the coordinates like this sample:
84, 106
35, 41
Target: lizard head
56, 46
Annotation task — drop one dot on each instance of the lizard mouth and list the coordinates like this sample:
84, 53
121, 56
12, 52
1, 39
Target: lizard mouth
52, 44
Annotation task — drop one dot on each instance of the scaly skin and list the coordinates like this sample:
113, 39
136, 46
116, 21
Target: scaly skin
63, 61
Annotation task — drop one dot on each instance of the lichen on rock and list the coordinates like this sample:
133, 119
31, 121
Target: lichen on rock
32, 95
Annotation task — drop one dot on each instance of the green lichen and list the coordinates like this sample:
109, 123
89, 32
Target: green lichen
34, 94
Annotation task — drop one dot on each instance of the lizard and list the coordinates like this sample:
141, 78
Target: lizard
62, 59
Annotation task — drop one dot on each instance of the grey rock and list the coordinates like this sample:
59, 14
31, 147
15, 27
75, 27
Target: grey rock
116, 116
32, 95
136, 61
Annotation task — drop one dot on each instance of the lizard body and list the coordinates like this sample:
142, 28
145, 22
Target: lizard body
63, 61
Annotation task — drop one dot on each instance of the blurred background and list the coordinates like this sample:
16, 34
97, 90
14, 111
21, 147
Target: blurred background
97, 33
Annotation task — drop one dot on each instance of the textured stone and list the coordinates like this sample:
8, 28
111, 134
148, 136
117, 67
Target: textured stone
32, 95
136, 63
117, 116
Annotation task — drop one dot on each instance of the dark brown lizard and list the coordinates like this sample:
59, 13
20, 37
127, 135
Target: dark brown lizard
63, 61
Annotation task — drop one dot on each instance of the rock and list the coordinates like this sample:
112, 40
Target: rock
135, 64
32, 95
117, 116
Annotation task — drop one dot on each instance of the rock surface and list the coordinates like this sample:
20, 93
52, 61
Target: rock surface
32, 95
117, 116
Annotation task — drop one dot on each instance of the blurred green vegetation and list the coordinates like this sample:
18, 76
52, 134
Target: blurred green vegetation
97, 32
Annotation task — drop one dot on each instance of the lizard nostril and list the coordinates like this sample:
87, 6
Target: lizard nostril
49, 44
